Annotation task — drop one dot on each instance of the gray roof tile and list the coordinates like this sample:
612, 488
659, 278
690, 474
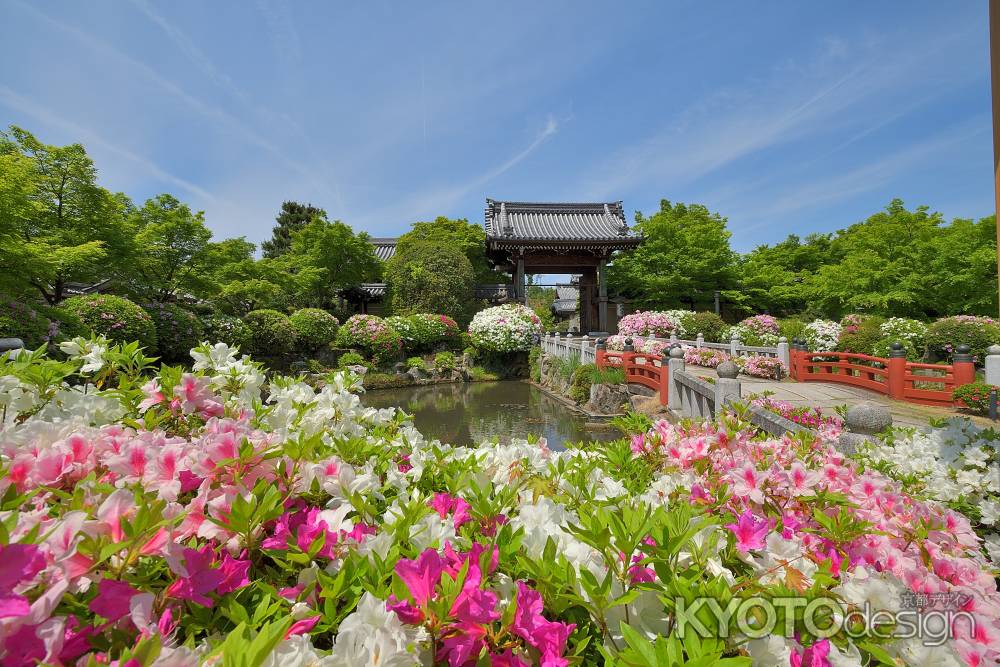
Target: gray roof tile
600, 221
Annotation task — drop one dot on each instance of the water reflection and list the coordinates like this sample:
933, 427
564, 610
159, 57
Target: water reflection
470, 412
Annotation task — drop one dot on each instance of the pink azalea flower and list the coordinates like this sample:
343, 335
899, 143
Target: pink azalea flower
463, 643
119, 504
814, 656
113, 600
507, 659
547, 637
421, 577
19, 564
303, 626
749, 531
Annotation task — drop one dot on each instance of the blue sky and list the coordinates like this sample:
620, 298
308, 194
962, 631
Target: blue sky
785, 117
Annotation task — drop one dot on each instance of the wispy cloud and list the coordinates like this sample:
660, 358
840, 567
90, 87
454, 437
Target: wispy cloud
441, 200
18, 102
225, 119
282, 30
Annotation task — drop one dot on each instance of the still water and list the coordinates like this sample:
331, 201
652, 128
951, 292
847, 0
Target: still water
467, 413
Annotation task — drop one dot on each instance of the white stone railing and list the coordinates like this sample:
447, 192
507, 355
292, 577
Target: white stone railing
567, 345
735, 348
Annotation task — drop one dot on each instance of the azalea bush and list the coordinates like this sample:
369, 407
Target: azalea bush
975, 396
759, 330
114, 317
822, 335
809, 417
860, 334
373, 335
424, 330
710, 358
712, 327
761, 366
36, 323
946, 334
652, 323
232, 331
314, 328
271, 332
904, 329
511, 327
177, 330
156, 516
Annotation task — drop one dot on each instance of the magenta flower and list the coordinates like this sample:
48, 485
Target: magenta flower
464, 643
749, 531
421, 576
199, 577
547, 637
113, 599
814, 656
19, 563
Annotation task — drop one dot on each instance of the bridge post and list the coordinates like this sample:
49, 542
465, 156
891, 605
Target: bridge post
733, 346
628, 361
699, 342
600, 352
963, 368
993, 366
783, 353
897, 371
675, 365
727, 387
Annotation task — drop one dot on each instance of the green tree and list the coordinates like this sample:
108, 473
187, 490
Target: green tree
69, 228
325, 258
292, 218
457, 233
171, 243
684, 259
961, 273
881, 266
427, 277
774, 279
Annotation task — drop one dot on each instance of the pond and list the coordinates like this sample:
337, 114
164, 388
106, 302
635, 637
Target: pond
467, 413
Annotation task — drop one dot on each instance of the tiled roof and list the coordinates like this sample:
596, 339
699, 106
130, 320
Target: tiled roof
384, 247
558, 222
373, 290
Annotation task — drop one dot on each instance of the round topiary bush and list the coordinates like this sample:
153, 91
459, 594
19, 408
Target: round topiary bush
883, 347
271, 332
709, 325
822, 335
177, 330
227, 329
116, 318
511, 327
424, 330
314, 328
373, 335
860, 334
426, 276
948, 333
23, 320
757, 330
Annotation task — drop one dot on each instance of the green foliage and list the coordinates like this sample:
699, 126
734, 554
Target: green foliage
535, 364
314, 328
974, 396
480, 374
792, 327
469, 239
416, 362
775, 278
170, 249
326, 258
423, 331
424, 276
271, 333
540, 300
686, 256
580, 381
861, 338
608, 375
445, 361
61, 225
227, 329
632, 423
708, 324
116, 318
35, 323
884, 346
351, 359
292, 218
946, 334
177, 331
373, 335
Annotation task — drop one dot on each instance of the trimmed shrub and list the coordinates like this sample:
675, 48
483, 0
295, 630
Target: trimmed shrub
371, 334
904, 329
425, 276
822, 335
659, 324
351, 359
507, 328
424, 330
946, 334
116, 318
271, 332
580, 381
416, 362
227, 329
975, 396
177, 331
710, 325
36, 324
445, 361
759, 330
884, 346
791, 327
314, 328
859, 334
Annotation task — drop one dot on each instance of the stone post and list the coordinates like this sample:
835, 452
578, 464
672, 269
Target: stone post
784, 354
675, 365
727, 387
584, 348
734, 344
863, 421
897, 371
963, 369
673, 338
699, 342
993, 365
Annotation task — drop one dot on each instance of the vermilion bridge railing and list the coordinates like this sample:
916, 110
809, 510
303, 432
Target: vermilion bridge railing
929, 384
647, 370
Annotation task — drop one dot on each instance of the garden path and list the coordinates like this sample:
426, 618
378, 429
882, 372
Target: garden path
827, 396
